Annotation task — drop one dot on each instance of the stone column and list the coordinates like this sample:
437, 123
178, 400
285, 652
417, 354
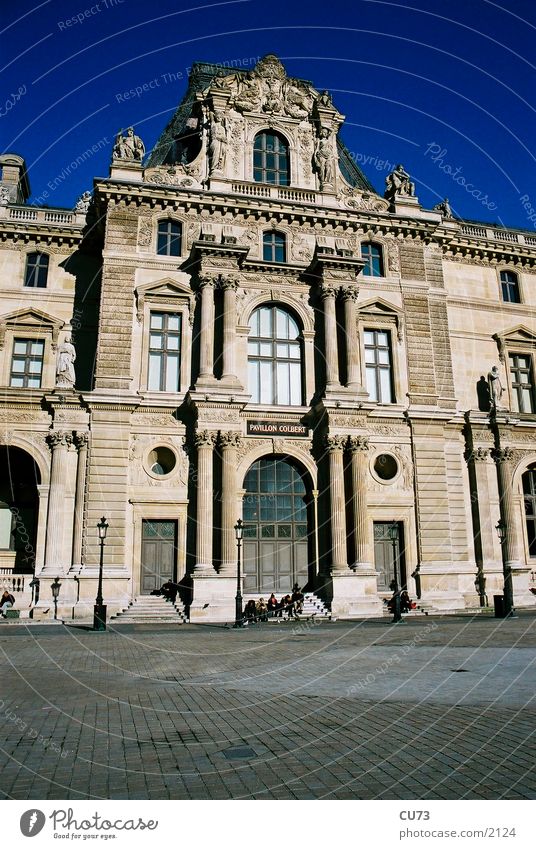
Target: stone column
353, 377
480, 457
81, 442
206, 342
229, 286
503, 458
204, 441
229, 442
328, 293
359, 447
59, 443
339, 560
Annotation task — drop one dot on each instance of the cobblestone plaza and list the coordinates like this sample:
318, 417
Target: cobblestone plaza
439, 708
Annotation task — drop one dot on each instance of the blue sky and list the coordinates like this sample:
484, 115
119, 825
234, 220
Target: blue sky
445, 88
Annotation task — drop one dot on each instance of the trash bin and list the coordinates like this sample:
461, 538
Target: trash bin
498, 603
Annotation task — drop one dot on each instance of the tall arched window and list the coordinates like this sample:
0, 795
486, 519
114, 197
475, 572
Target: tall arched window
271, 159
274, 358
372, 254
529, 495
36, 270
274, 246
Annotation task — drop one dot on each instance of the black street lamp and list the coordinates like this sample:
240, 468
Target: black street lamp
508, 590
55, 587
393, 536
99, 609
239, 533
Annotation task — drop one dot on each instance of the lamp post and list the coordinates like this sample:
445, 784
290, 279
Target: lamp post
393, 536
508, 590
99, 609
239, 533
55, 587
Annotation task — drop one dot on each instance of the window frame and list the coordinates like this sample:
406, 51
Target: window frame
260, 172
275, 359
170, 238
371, 327
270, 242
36, 270
165, 352
370, 260
531, 495
27, 374
515, 283
516, 388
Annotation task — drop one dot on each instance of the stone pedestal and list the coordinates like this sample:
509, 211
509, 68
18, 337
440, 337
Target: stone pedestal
354, 595
213, 599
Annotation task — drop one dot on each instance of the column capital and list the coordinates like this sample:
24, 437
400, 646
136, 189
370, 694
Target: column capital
81, 439
58, 439
503, 455
207, 280
327, 291
335, 443
349, 293
229, 282
205, 438
358, 443
477, 455
230, 439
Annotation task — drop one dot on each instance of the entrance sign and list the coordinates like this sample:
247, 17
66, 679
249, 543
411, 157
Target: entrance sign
270, 428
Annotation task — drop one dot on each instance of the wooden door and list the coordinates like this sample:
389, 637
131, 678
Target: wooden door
158, 554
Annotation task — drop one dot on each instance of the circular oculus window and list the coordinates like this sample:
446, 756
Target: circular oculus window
161, 461
385, 467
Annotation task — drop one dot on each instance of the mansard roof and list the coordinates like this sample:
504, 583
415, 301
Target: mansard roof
202, 75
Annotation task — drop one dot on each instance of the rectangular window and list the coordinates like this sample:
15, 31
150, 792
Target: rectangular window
164, 352
378, 366
27, 363
522, 382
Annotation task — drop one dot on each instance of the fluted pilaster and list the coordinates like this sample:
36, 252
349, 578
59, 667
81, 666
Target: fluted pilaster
204, 441
335, 447
229, 442
359, 446
59, 443
206, 342
229, 286
328, 294
81, 441
349, 295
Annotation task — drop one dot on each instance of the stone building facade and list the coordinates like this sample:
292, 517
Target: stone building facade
240, 325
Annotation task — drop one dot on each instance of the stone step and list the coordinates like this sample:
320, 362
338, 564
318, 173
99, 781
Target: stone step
154, 609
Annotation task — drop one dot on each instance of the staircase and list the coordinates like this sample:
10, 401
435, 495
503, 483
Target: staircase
152, 610
314, 606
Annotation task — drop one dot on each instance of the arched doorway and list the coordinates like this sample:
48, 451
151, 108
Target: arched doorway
277, 526
19, 502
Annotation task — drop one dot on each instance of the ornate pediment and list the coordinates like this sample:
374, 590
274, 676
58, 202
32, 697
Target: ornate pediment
165, 291
380, 311
518, 336
26, 320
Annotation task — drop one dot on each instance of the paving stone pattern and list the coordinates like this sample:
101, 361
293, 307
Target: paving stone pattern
432, 709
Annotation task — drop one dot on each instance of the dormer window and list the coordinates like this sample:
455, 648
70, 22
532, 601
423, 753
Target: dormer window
271, 159
372, 254
169, 238
36, 270
274, 247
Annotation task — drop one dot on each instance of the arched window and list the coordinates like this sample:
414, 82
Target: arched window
36, 270
274, 358
169, 238
529, 495
271, 159
372, 254
510, 287
274, 246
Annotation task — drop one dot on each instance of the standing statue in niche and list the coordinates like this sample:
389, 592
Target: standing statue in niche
217, 148
399, 184
323, 158
495, 388
129, 146
65, 376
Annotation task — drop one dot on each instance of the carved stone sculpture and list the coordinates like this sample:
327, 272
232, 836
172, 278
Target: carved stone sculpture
495, 388
65, 375
82, 204
217, 149
444, 208
398, 184
128, 147
324, 158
